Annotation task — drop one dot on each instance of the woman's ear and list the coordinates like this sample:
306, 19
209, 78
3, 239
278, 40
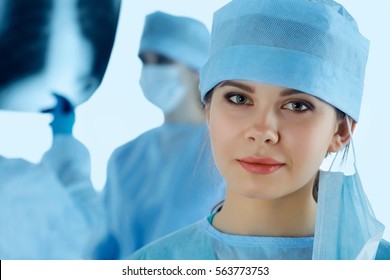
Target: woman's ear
342, 136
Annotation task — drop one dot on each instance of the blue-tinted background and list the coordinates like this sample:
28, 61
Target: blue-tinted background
118, 112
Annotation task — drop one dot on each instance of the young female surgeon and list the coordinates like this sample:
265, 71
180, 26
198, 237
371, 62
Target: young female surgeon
282, 89
164, 179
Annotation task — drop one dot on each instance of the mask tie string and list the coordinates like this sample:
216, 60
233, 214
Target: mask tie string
352, 144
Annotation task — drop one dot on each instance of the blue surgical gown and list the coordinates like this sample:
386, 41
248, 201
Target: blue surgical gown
160, 182
201, 241
69, 159
49, 210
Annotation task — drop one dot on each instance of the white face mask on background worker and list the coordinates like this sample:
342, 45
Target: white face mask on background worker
162, 85
172, 51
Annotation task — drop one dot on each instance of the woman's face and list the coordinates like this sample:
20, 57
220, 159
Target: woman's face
268, 141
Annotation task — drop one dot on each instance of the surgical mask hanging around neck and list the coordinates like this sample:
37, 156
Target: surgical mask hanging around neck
346, 227
162, 86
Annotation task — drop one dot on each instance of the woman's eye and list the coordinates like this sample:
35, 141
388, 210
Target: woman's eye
297, 106
238, 99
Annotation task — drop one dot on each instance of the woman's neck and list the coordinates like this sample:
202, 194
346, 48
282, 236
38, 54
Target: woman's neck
290, 216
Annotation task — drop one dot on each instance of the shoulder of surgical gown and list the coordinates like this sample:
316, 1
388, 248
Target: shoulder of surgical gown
175, 156
189, 243
70, 161
38, 218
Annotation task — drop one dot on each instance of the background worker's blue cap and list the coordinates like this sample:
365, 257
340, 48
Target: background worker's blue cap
181, 39
309, 45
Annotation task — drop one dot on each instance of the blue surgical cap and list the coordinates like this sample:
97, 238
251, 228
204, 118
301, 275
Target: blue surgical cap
309, 45
181, 39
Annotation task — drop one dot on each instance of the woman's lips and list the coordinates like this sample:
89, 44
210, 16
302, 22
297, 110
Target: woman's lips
261, 166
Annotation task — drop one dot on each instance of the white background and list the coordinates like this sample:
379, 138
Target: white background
195, 269
118, 112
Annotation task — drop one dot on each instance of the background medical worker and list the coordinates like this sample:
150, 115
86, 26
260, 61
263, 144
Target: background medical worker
282, 87
164, 179
54, 55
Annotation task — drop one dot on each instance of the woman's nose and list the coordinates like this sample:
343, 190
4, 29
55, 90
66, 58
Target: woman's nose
263, 128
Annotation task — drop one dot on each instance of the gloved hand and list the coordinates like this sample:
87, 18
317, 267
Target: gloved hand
63, 116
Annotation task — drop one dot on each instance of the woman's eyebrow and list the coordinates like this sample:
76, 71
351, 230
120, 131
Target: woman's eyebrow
289, 92
237, 85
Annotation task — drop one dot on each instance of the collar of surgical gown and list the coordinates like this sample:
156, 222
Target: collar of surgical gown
203, 241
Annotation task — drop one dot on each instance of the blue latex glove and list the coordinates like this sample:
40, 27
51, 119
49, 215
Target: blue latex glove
63, 116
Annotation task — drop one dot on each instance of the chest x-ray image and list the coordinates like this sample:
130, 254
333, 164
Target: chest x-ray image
53, 46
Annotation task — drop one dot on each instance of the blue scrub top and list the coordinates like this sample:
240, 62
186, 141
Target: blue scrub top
49, 210
201, 241
160, 182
